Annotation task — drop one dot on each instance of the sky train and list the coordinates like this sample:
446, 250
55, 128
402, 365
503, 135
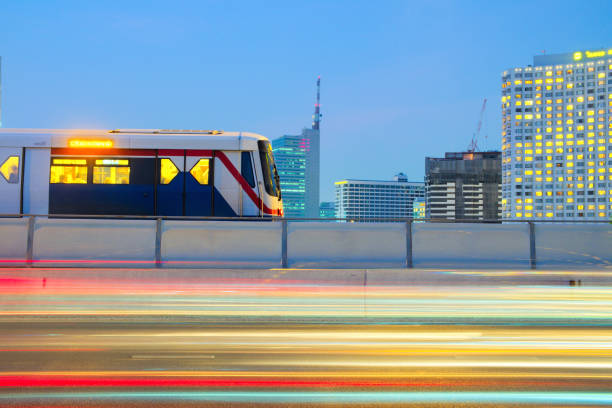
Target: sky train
138, 172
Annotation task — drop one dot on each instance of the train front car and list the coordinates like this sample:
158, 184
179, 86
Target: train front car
187, 173
273, 203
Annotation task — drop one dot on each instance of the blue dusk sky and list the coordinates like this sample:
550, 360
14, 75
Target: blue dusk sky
401, 80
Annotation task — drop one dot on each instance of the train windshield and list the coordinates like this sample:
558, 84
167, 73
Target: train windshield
270, 175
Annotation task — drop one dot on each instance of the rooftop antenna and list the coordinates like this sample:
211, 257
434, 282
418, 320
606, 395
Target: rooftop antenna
316, 118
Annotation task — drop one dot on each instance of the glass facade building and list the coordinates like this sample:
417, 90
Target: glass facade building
557, 137
290, 158
363, 199
298, 164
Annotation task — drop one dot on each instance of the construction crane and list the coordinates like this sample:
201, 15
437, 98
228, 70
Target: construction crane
474, 143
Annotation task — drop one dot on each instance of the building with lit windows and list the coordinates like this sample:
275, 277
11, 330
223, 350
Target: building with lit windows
298, 165
464, 186
557, 137
290, 157
364, 199
327, 209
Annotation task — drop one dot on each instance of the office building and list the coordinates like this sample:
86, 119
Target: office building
327, 209
557, 137
290, 158
464, 186
298, 165
312, 173
365, 199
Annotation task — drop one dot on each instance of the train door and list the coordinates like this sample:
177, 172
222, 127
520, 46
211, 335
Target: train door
228, 195
199, 200
248, 191
171, 182
10, 180
185, 183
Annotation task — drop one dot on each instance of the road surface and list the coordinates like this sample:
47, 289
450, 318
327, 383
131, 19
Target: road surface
78, 337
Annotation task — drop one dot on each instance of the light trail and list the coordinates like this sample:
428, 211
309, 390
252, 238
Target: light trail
74, 339
279, 397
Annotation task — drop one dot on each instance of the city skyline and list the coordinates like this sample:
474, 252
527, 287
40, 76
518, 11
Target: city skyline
395, 92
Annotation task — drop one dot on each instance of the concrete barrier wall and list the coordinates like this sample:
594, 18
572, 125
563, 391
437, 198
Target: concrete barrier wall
346, 245
259, 244
560, 246
13, 240
215, 244
498, 246
104, 243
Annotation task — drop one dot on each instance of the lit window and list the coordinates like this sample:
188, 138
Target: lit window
112, 162
200, 171
70, 162
111, 175
10, 169
168, 171
68, 174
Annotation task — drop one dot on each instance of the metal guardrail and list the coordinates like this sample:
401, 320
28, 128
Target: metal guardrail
277, 219
284, 261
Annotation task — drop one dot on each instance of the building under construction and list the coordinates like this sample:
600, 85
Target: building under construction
464, 186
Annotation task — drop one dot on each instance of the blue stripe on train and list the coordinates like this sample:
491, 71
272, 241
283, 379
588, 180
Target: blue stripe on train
222, 207
103, 199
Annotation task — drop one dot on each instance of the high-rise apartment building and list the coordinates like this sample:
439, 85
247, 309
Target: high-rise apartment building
557, 137
464, 186
364, 199
298, 165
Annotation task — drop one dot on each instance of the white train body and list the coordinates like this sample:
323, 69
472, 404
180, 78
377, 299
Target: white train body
138, 172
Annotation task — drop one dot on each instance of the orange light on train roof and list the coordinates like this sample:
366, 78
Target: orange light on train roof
90, 143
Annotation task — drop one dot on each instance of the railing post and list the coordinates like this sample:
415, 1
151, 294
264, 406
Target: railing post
30, 241
158, 238
532, 245
284, 260
408, 244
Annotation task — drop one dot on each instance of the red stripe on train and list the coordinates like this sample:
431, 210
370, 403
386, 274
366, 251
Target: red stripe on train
181, 152
245, 186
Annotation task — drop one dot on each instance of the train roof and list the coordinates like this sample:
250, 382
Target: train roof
130, 138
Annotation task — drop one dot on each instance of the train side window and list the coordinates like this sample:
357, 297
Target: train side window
10, 169
168, 171
68, 171
246, 168
200, 171
111, 175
